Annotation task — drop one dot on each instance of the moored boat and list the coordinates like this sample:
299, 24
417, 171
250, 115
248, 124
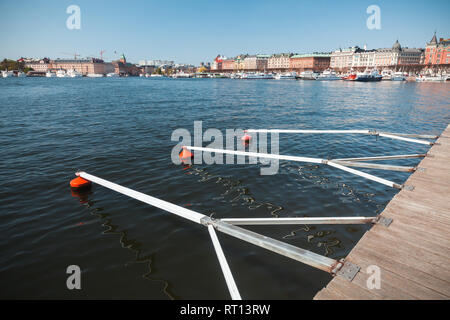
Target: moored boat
398, 76
286, 76
74, 74
308, 75
328, 75
367, 76
7, 74
112, 75
61, 74
94, 75
49, 74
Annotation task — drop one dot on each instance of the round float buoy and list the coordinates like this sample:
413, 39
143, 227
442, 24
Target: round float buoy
246, 138
80, 183
185, 154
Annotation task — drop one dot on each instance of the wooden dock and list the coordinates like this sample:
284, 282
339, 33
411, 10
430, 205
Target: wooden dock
413, 252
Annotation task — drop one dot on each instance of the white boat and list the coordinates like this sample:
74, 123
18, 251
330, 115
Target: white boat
94, 75
181, 75
21, 74
74, 74
155, 75
112, 75
49, 74
398, 76
61, 74
286, 76
328, 75
6, 74
308, 75
438, 78
259, 75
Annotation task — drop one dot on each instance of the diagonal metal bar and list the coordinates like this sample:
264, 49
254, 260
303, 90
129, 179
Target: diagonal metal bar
402, 156
284, 221
375, 166
231, 284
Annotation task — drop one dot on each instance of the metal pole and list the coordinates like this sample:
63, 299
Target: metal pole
306, 131
258, 155
375, 166
365, 175
404, 156
232, 288
405, 139
283, 221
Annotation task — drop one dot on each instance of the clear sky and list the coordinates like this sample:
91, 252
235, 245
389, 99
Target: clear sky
191, 31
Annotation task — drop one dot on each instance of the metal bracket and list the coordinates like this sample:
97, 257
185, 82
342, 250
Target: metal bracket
348, 270
383, 221
409, 188
421, 169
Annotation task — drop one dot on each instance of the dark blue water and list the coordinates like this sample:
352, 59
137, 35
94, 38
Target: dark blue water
120, 129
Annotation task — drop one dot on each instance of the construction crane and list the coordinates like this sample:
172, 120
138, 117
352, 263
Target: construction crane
74, 54
101, 53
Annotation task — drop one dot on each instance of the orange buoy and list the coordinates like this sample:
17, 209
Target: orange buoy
246, 138
185, 154
79, 183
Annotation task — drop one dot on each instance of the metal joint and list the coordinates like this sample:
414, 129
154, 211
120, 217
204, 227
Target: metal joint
347, 270
409, 188
383, 221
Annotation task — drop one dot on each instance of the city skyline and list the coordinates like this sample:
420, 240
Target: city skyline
197, 31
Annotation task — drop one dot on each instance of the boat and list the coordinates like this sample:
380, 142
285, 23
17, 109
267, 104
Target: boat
94, 75
181, 75
258, 75
155, 75
20, 74
112, 75
74, 74
437, 78
398, 76
386, 74
286, 76
49, 74
308, 75
61, 74
6, 74
328, 75
367, 76
350, 77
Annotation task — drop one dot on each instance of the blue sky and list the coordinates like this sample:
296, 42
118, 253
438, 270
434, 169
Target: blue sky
191, 31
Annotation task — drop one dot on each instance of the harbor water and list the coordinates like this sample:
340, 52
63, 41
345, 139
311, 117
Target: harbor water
120, 129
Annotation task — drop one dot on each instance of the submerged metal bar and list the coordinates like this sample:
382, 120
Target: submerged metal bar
258, 155
307, 257
231, 284
405, 139
398, 136
298, 254
402, 156
306, 131
282, 221
300, 159
375, 166
365, 175
167, 206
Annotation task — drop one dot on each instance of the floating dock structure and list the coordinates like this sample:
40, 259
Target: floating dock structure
411, 256
408, 246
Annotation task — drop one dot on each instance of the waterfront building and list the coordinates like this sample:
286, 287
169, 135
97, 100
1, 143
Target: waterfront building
83, 66
279, 62
229, 65
437, 53
122, 67
342, 59
41, 65
316, 62
156, 63
256, 62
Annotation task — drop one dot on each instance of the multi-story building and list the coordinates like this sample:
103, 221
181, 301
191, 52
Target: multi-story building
41, 65
437, 53
279, 62
156, 63
229, 65
360, 59
256, 62
310, 61
84, 66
